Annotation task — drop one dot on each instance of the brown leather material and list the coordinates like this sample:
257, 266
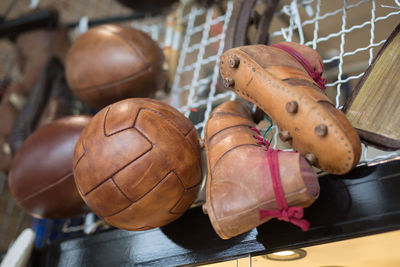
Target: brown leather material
41, 179
110, 63
145, 156
308, 53
239, 180
295, 107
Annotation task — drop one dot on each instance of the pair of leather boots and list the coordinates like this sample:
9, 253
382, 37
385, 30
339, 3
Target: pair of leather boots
248, 182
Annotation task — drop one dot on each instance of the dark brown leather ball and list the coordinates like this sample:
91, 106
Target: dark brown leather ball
41, 179
110, 63
137, 165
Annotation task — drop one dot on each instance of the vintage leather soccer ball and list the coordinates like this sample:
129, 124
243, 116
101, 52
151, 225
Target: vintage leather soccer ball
41, 179
137, 165
110, 63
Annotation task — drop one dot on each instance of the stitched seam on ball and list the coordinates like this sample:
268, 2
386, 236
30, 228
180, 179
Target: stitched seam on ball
133, 46
144, 136
116, 185
191, 129
199, 162
148, 192
81, 157
233, 126
171, 122
122, 80
193, 186
74, 166
131, 127
185, 190
116, 132
148, 65
104, 124
161, 115
139, 180
190, 143
183, 193
116, 172
190, 187
63, 178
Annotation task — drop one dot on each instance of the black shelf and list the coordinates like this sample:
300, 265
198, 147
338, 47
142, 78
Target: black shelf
364, 202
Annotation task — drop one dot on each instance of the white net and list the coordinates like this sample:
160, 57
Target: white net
348, 35
199, 82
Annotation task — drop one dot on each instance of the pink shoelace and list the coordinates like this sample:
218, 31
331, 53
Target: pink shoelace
294, 214
306, 65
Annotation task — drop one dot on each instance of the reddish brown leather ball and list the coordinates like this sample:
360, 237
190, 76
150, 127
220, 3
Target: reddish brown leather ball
41, 179
137, 164
111, 63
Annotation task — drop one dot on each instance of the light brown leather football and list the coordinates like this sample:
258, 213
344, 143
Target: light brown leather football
110, 63
41, 179
137, 165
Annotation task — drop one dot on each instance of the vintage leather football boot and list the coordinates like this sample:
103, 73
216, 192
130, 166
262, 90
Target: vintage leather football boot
284, 80
249, 183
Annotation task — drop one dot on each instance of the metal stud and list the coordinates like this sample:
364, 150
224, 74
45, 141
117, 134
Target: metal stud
311, 158
292, 106
321, 130
233, 61
229, 82
285, 136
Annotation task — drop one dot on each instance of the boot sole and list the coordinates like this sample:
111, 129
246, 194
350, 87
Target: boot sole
315, 127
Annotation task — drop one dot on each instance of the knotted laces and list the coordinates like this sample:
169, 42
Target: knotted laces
294, 214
